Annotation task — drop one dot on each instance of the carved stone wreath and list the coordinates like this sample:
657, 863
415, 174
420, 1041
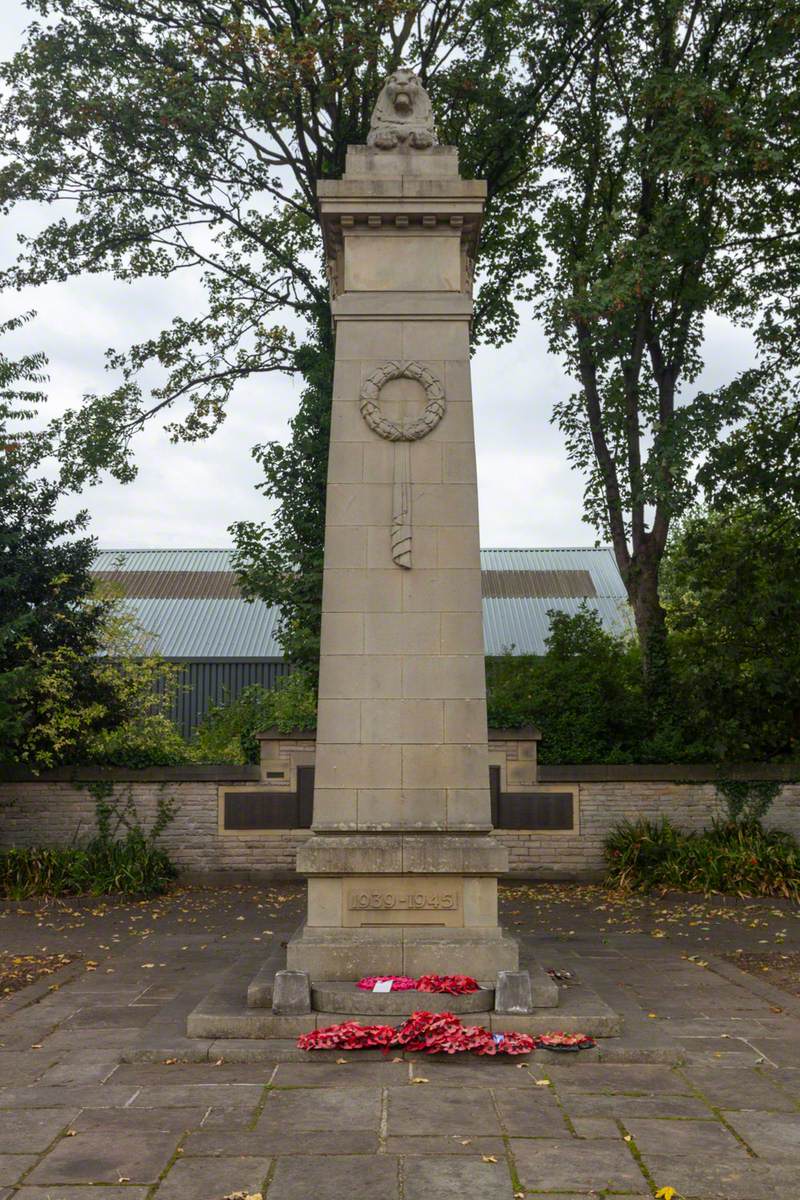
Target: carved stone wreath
405, 431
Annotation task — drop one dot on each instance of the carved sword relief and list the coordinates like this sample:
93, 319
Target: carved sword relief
401, 433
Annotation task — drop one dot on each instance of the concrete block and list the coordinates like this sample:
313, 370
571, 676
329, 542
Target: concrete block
513, 992
291, 996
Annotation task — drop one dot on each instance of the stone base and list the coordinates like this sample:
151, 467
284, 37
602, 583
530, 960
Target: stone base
349, 954
223, 1014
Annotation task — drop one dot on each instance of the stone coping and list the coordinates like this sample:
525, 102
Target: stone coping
548, 773
526, 733
665, 772
189, 773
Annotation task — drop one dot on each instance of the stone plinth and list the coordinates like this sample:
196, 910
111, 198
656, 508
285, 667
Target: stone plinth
402, 873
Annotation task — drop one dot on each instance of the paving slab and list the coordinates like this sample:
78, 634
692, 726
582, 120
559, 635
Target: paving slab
21, 1067
13, 1166
710, 1180
363, 1177
749, 1088
455, 1178
88, 1096
94, 1157
170, 1074
33, 1130
628, 1107
61, 1192
347, 1074
465, 1071
447, 1144
417, 1110
697, 1140
633, 1079
530, 1114
139, 1120
248, 1142
596, 1127
774, 1136
215, 1177
196, 1095
322, 1108
553, 1165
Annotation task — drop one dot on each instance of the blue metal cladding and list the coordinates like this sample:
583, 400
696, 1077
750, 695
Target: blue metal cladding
205, 683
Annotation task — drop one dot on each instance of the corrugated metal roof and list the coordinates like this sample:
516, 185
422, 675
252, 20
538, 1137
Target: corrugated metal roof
598, 561
163, 560
207, 628
201, 626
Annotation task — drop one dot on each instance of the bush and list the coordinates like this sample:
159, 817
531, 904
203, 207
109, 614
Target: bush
584, 694
229, 731
151, 740
132, 865
741, 859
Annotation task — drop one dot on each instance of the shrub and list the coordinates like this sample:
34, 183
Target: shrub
132, 865
584, 694
229, 731
730, 857
151, 740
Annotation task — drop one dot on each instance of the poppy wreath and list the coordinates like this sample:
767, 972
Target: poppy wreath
564, 1041
429, 1033
451, 985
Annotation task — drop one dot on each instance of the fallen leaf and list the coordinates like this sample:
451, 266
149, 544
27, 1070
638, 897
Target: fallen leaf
71, 1133
488, 1158
666, 1193
169, 1062
342, 1060
543, 1083
420, 1079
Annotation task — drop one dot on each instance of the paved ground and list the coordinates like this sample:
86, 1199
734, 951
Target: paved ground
724, 1124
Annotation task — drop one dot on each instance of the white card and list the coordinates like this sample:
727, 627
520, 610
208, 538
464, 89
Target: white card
383, 985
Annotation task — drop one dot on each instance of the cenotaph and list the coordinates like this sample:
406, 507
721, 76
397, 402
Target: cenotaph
402, 870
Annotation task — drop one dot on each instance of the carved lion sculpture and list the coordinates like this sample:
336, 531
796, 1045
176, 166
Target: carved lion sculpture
403, 114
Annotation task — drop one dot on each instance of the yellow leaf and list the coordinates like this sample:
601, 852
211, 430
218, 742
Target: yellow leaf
489, 1158
666, 1193
420, 1079
543, 1083
341, 1060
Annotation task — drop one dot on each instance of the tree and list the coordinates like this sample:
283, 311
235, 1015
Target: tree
673, 195
179, 135
732, 594
48, 613
584, 693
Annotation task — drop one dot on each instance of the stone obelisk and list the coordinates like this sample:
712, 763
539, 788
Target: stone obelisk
402, 870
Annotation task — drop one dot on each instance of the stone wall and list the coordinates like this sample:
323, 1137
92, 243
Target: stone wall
54, 810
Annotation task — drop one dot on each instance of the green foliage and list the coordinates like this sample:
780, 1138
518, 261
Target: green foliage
51, 622
281, 562
584, 693
173, 136
107, 864
747, 801
672, 156
732, 594
729, 858
228, 733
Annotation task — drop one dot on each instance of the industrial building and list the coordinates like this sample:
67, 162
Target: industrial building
189, 603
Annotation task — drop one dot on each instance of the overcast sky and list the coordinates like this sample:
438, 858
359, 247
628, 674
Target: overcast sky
187, 495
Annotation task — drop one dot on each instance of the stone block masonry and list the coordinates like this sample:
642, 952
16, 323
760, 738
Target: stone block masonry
51, 810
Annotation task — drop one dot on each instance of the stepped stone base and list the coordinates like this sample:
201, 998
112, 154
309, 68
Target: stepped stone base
330, 954
228, 1011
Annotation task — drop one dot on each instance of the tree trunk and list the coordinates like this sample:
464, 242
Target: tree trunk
651, 625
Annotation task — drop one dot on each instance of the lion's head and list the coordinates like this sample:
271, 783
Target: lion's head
403, 113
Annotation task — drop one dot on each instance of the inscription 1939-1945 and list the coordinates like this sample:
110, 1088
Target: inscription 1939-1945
403, 901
